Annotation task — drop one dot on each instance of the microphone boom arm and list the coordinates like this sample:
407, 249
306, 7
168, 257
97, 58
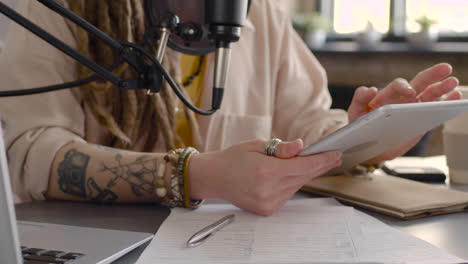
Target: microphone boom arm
225, 17
44, 35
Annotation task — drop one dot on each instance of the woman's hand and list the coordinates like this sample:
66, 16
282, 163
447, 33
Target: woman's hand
246, 177
428, 85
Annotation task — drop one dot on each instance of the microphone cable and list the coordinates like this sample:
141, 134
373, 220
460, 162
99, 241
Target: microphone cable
56, 87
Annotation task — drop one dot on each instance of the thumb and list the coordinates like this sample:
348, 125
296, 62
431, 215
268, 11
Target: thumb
362, 97
289, 149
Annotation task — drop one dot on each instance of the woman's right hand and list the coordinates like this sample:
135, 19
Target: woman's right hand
251, 180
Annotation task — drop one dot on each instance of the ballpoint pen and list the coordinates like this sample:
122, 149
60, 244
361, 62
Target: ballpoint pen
201, 236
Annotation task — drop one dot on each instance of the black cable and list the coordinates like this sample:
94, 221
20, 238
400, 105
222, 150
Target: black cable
189, 80
57, 87
171, 81
50, 88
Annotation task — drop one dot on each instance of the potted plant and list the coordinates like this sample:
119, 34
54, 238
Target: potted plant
426, 35
313, 27
369, 37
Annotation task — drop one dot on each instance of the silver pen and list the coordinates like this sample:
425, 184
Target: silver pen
199, 237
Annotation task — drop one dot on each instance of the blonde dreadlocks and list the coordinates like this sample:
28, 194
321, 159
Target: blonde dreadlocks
123, 20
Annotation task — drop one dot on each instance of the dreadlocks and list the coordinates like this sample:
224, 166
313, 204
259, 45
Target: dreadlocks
123, 20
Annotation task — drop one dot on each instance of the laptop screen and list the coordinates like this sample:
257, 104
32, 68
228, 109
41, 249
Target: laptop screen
9, 244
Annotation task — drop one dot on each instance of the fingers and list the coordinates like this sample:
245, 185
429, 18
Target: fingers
431, 75
289, 149
363, 95
436, 90
310, 165
398, 91
258, 183
359, 105
455, 95
286, 149
300, 180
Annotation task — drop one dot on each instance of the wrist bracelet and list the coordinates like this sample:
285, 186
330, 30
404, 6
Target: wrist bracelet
176, 199
187, 201
180, 196
160, 189
160, 186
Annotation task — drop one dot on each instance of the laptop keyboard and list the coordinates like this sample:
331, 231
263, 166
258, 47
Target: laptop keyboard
42, 256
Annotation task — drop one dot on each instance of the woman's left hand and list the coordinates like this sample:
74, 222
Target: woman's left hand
428, 85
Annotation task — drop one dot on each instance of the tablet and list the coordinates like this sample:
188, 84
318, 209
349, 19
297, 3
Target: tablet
384, 128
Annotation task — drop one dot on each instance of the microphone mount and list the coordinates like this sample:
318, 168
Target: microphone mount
224, 17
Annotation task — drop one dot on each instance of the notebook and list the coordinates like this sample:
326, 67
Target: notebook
401, 198
51, 243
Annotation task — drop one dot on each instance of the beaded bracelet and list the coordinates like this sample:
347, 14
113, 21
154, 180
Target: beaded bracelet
173, 157
183, 166
179, 159
160, 189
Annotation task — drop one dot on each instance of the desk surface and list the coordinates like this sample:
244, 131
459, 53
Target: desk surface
448, 232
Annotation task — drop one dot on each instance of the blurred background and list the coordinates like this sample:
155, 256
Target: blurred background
371, 42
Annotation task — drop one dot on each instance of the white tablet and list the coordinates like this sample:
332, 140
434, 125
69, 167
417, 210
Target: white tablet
384, 128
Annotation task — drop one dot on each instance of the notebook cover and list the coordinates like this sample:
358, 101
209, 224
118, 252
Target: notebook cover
402, 198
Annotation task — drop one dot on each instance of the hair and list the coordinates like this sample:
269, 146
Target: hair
123, 112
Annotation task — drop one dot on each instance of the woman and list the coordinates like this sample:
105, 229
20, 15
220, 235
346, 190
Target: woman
103, 144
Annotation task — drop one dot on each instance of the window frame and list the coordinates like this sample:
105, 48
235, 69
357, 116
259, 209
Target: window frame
397, 32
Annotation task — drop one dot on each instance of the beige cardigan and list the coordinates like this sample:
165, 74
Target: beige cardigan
276, 88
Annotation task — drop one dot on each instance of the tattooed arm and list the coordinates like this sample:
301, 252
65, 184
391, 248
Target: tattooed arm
82, 171
241, 174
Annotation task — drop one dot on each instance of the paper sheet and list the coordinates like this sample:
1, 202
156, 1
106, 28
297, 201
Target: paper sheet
304, 231
380, 241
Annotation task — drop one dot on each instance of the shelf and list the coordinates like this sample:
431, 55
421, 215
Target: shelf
452, 48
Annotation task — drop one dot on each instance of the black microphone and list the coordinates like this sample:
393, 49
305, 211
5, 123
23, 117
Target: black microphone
225, 18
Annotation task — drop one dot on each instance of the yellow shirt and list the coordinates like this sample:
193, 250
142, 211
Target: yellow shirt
189, 65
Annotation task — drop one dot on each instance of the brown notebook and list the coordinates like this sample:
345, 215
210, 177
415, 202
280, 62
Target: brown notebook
405, 199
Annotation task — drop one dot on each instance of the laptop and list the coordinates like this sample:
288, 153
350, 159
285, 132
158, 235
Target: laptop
34, 242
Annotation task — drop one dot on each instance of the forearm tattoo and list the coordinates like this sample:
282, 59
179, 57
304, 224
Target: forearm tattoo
72, 173
139, 175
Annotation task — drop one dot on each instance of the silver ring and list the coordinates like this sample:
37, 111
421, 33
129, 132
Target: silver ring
271, 146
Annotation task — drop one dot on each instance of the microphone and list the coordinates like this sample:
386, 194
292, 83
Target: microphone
213, 28
225, 17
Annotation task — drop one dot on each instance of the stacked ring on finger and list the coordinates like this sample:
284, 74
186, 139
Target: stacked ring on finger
271, 146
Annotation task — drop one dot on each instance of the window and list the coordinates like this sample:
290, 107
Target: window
451, 15
396, 17
353, 16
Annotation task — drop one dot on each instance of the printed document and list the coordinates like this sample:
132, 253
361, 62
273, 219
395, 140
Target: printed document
304, 231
